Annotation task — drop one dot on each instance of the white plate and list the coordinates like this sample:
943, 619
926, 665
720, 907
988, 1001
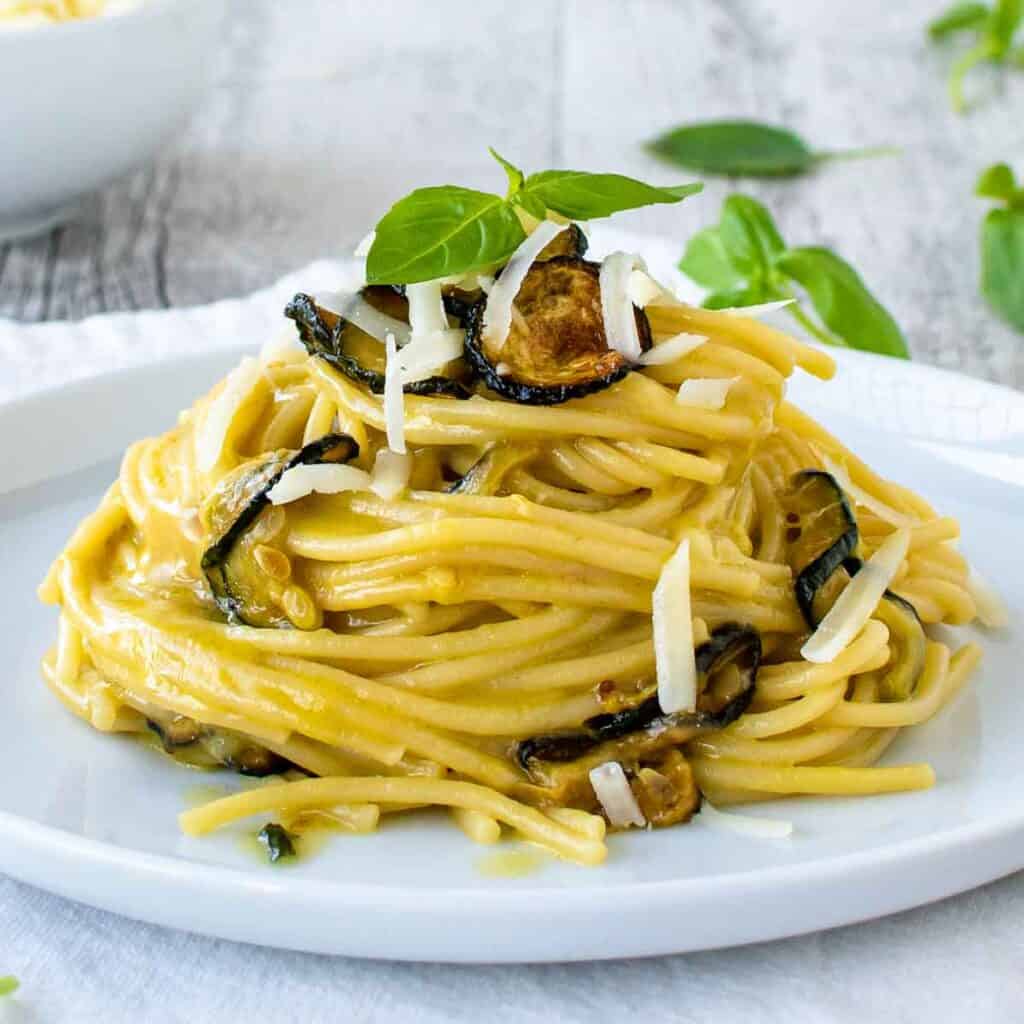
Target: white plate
93, 817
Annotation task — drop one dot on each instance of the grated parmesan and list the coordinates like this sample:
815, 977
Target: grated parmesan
617, 306
238, 386
323, 478
705, 392
498, 311
857, 603
863, 497
745, 824
672, 625
354, 308
611, 787
391, 472
759, 309
394, 400
671, 349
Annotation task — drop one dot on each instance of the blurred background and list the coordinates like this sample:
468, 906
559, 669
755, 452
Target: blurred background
322, 112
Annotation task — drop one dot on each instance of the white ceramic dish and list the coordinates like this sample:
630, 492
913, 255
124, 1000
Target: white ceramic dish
93, 817
84, 102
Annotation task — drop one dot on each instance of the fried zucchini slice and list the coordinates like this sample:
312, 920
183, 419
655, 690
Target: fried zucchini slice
243, 591
821, 532
571, 242
556, 348
354, 353
727, 665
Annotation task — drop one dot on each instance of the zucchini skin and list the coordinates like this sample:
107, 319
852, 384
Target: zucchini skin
327, 343
526, 393
819, 571
215, 558
728, 642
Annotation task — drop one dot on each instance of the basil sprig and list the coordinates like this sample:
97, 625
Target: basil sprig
994, 29
445, 230
1002, 244
744, 261
8, 985
747, 148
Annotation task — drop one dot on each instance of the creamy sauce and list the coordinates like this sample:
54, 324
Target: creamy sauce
204, 793
517, 863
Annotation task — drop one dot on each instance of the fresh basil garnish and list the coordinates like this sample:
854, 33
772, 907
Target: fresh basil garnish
743, 261
1002, 244
746, 148
582, 196
994, 29
8, 985
448, 230
435, 232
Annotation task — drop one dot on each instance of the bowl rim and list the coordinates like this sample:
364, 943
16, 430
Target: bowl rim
140, 10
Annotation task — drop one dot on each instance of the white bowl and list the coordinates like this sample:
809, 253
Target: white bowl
83, 102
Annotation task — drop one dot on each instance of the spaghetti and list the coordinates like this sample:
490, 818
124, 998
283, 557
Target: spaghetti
473, 628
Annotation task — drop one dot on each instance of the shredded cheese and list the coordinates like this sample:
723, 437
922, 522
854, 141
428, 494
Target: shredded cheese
391, 472
757, 310
617, 306
498, 312
745, 824
671, 349
354, 308
642, 289
672, 625
213, 432
611, 787
324, 478
991, 609
394, 399
705, 393
857, 603
863, 497
426, 309
425, 355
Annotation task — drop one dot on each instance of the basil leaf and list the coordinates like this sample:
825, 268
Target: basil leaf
750, 236
735, 147
706, 261
8, 985
435, 232
957, 18
996, 182
582, 196
1005, 20
843, 301
515, 175
1002, 264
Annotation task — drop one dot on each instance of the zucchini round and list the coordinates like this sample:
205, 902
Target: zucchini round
239, 586
570, 242
821, 532
348, 349
644, 727
556, 348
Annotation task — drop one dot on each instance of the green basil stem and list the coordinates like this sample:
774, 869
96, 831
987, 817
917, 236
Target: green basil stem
863, 153
982, 52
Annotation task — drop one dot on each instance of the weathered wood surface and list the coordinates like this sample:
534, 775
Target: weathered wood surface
324, 111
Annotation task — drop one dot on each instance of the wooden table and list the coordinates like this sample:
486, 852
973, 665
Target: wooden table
325, 111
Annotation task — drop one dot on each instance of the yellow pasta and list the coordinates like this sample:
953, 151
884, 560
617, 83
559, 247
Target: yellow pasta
469, 649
